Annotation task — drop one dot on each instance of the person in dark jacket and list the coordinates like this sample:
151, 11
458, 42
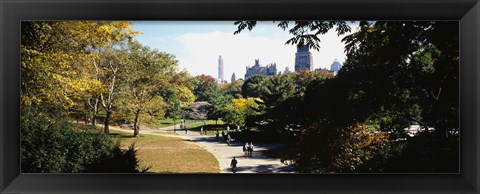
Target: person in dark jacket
233, 164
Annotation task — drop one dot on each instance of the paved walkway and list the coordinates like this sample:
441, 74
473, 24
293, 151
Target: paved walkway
224, 153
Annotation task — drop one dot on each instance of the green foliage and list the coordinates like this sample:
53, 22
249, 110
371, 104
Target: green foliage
232, 89
219, 108
239, 109
255, 87
49, 144
120, 161
148, 76
405, 69
205, 86
278, 89
52, 145
397, 73
57, 58
303, 78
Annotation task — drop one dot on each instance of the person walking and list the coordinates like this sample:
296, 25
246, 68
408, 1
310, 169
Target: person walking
250, 149
245, 149
233, 164
229, 139
201, 131
216, 136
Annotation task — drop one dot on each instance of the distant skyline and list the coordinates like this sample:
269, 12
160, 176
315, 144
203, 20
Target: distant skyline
197, 46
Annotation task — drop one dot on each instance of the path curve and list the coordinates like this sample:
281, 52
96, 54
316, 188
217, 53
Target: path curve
259, 163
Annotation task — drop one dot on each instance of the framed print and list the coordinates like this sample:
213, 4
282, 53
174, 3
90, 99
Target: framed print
239, 96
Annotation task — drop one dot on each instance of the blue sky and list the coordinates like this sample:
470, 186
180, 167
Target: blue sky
198, 44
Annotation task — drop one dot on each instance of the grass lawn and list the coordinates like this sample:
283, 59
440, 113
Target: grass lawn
169, 154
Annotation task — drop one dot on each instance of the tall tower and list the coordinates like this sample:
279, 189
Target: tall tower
234, 78
303, 59
220, 69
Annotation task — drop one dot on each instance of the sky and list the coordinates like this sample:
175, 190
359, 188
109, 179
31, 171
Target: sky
197, 46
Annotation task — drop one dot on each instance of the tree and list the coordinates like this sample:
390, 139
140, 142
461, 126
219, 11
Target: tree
219, 106
58, 60
414, 68
255, 87
204, 87
278, 89
239, 109
303, 78
346, 149
396, 73
112, 66
147, 76
176, 97
233, 89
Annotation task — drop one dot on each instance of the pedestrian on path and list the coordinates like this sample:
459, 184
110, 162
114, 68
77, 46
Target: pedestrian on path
229, 139
245, 149
250, 149
201, 131
233, 164
216, 136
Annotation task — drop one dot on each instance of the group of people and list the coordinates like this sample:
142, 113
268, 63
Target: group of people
248, 149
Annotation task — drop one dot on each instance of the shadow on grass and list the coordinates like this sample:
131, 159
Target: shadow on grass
121, 135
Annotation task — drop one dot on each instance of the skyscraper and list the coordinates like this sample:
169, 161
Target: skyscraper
220, 69
335, 67
303, 59
234, 78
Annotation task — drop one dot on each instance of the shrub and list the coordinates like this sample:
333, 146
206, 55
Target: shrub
339, 150
52, 145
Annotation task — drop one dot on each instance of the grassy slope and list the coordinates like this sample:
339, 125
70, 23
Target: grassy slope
169, 154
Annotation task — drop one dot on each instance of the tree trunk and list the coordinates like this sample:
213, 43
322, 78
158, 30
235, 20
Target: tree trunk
94, 118
107, 121
135, 123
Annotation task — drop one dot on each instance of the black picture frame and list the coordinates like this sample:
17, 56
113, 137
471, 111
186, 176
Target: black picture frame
14, 11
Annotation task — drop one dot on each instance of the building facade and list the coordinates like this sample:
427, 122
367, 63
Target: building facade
257, 69
220, 69
303, 59
335, 67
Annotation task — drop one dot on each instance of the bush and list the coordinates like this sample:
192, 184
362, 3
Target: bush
121, 161
341, 150
52, 145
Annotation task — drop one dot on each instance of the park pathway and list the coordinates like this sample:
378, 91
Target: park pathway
224, 153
